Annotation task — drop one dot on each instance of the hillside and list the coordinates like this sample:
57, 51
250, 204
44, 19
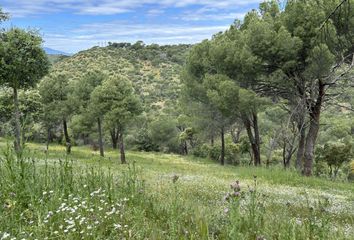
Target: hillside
55, 58
154, 70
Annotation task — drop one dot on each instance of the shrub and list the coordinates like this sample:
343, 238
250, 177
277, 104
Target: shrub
232, 152
335, 155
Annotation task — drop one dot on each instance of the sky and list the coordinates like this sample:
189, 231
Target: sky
71, 26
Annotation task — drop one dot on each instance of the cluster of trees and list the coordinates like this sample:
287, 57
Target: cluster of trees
300, 55
96, 98
254, 94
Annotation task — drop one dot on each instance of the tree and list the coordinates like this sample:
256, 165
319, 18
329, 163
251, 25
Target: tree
293, 57
321, 61
82, 90
203, 88
119, 105
223, 94
3, 16
335, 155
23, 63
164, 133
57, 102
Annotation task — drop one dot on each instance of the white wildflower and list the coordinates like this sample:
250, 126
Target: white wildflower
117, 226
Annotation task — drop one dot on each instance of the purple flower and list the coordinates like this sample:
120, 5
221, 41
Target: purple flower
236, 194
236, 186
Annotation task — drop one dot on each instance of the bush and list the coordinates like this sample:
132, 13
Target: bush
232, 152
335, 155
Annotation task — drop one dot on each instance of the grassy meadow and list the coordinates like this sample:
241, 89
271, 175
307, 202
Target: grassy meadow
48, 195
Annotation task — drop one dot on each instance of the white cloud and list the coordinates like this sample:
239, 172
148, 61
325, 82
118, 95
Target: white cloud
91, 34
21, 8
183, 21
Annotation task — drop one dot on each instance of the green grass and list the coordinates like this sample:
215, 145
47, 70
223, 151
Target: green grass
284, 206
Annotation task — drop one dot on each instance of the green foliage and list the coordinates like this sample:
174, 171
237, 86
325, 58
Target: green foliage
55, 91
158, 85
164, 134
23, 61
232, 152
335, 155
143, 141
3, 16
116, 101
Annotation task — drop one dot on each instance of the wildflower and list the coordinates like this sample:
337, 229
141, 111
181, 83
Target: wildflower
227, 197
226, 210
5, 236
236, 194
236, 186
117, 226
298, 221
111, 212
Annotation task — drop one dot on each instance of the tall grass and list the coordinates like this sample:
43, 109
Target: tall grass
65, 199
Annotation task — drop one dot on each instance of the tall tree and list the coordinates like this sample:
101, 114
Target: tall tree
57, 101
203, 62
295, 57
23, 63
118, 104
82, 90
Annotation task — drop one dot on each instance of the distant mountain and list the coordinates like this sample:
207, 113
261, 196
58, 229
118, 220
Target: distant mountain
51, 51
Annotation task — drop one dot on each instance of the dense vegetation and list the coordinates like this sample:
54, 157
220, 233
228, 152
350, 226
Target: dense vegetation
274, 90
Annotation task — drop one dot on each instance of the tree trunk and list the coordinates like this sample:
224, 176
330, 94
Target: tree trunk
122, 149
286, 155
310, 147
114, 138
312, 134
48, 139
17, 143
100, 140
235, 134
252, 138
222, 156
301, 148
185, 147
67, 137
257, 140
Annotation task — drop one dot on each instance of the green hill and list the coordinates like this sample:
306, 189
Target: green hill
154, 70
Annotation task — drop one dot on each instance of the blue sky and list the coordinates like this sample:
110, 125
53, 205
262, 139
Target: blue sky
71, 26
